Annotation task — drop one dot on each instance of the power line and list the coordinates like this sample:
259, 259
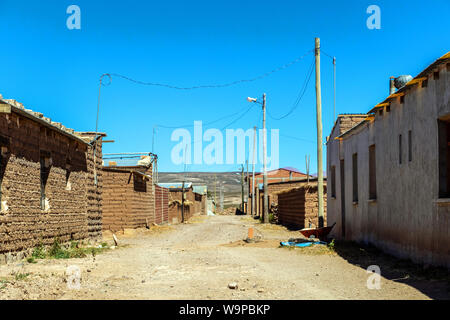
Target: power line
223, 85
296, 138
205, 124
299, 97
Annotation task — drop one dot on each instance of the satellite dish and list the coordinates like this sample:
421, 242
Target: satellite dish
402, 80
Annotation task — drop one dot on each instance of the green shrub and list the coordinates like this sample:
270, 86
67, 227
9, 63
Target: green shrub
331, 245
39, 252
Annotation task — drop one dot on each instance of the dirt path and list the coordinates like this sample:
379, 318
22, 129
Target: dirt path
198, 260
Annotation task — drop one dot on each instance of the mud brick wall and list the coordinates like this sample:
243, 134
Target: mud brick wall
161, 205
298, 208
94, 191
23, 223
128, 200
200, 204
175, 210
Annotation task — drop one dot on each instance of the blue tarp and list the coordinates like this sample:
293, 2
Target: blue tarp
301, 245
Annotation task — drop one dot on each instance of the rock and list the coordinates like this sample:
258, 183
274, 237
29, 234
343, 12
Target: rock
261, 290
88, 270
233, 285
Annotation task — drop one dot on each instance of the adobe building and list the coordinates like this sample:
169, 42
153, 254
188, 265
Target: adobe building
200, 197
50, 179
390, 171
176, 212
129, 195
161, 205
273, 176
298, 208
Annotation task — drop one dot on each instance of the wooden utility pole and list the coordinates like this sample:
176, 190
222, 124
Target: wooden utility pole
248, 190
153, 139
334, 90
182, 202
215, 198
253, 169
319, 134
307, 158
266, 195
242, 187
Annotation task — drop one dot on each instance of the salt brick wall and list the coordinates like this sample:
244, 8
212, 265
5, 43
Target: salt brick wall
24, 224
128, 200
298, 208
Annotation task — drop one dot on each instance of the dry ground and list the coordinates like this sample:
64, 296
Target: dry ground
199, 259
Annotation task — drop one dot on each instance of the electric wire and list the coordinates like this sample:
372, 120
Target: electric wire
223, 85
299, 97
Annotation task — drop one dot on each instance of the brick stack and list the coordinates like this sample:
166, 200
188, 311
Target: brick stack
298, 208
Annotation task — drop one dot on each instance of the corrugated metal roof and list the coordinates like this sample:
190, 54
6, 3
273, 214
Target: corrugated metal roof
201, 189
175, 185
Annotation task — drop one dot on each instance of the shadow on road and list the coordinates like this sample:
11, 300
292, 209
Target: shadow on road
431, 281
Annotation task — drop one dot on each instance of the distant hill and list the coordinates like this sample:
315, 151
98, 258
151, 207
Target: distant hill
230, 182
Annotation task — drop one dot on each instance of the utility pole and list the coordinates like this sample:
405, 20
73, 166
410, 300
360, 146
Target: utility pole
248, 190
153, 139
215, 198
253, 169
307, 159
334, 90
182, 202
266, 196
319, 134
242, 187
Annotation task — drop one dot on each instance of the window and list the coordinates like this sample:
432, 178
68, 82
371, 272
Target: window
402, 99
45, 171
333, 181
4, 145
425, 83
68, 172
436, 75
355, 177
444, 158
400, 149
372, 174
409, 145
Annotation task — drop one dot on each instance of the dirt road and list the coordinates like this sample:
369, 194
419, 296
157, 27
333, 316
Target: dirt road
200, 259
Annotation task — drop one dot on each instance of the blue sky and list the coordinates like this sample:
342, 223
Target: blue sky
56, 71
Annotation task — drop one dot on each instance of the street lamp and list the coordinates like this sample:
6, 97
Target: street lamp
266, 195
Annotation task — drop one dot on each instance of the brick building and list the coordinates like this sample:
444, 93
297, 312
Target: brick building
298, 208
273, 176
50, 185
129, 197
